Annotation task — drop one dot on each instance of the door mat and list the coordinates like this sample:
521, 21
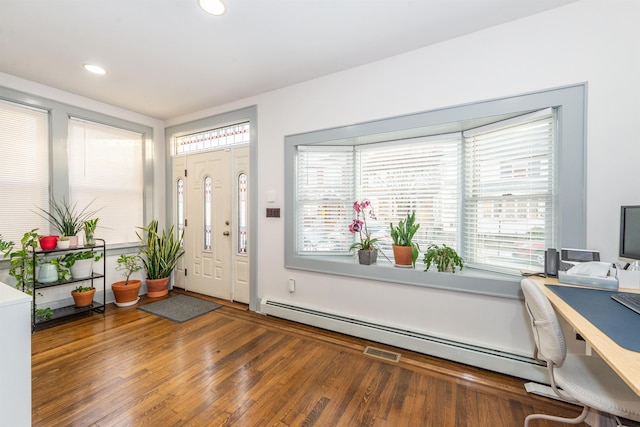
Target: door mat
180, 308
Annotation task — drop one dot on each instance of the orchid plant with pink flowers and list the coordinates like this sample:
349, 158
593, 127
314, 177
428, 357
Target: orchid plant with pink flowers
359, 225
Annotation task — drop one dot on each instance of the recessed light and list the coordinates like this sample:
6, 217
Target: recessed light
214, 7
95, 69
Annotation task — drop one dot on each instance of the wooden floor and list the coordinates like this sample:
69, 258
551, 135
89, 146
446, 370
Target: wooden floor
232, 367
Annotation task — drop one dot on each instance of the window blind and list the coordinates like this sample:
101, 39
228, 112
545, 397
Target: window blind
324, 206
24, 169
106, 169
421, 175
510, 192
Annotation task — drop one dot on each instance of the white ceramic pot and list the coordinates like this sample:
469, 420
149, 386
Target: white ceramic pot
63, 244
82, 268
48, 273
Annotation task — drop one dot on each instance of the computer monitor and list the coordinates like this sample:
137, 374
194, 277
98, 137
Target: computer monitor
630, 232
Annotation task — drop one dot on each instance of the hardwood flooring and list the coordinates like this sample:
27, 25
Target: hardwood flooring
232, 367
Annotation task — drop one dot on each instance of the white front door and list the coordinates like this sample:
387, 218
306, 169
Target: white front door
216, 262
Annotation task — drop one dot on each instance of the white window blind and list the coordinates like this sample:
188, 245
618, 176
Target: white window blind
324, 207
510, 192
420, 175
106, 165
24, 169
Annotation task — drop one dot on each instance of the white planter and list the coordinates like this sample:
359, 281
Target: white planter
63, 244
82, 268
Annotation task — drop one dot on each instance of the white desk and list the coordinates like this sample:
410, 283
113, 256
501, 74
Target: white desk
625, 363
15, 357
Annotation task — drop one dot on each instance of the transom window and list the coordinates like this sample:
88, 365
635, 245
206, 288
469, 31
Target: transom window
213, 138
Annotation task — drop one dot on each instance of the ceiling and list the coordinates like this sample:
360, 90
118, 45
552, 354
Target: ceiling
167, 58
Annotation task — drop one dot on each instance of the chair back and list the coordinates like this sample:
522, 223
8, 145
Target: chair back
547, 332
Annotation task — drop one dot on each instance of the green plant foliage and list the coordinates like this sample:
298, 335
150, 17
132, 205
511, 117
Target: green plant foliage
70, 258
443, 257
81, 288
44, 313
22, 266
128, 264
160, 252
65, 217
402, 234
90, 226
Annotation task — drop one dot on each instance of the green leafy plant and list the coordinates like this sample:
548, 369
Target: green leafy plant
63, 271
160, 252
65, 217
22, 266
445, 258
90, 225
128, 264
81, 288
89, 231
65, 262
70, 258
402, 234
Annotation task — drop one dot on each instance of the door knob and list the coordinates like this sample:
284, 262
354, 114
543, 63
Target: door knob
225, 233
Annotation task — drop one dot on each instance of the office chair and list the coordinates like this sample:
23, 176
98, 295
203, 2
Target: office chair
584, 380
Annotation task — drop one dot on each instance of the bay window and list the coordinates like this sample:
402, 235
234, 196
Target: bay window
495, 180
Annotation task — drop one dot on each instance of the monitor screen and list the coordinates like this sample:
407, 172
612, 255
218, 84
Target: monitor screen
630, 232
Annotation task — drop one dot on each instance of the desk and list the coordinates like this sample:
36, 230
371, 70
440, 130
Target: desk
624, 362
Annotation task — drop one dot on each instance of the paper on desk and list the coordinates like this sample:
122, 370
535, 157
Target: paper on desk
593, 268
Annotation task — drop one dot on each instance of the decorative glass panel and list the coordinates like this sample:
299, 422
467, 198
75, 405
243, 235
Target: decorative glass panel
207, 214
214, 138
180, 205
242, 213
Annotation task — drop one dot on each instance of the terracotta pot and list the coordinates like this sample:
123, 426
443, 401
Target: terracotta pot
402, 255
126, 295
157, 287
83, 299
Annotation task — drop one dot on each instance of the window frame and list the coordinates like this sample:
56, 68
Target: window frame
59, 116
570, 102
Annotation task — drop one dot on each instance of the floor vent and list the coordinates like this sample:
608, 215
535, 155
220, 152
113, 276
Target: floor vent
382, 354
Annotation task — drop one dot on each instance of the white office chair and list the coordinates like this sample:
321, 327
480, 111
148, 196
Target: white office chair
585, 380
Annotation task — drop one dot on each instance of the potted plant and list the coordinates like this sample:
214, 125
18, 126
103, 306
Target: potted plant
80, 263
22, 267
405, 250
160, 255
83, 295
89, 231
67, 218
63, 242
126, 291
445, 258
367, 248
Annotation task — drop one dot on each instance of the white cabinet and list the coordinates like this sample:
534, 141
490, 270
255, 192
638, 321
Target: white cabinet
15, 357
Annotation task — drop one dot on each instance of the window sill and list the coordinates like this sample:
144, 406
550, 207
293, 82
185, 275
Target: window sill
469, 280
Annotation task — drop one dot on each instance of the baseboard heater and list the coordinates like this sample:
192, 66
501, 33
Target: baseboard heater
481, 357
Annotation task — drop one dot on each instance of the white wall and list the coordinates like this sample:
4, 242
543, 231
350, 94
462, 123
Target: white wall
594, 41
